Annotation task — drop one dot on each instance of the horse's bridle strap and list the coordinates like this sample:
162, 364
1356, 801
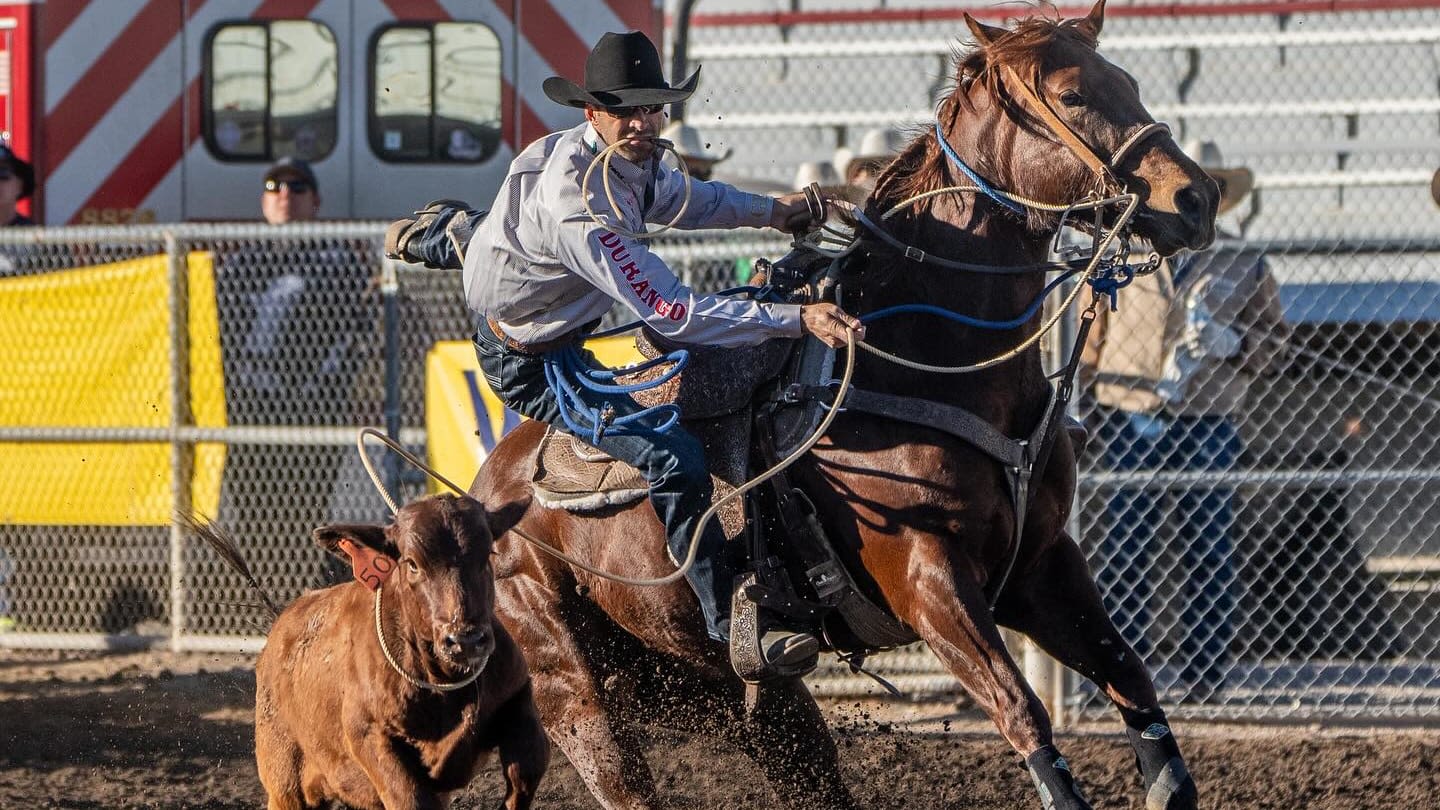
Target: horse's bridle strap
1061, 129
1067, 135
1152, 128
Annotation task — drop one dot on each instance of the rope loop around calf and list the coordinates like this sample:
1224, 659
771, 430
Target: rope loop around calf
411, 679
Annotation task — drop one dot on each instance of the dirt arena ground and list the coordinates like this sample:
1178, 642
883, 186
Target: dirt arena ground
154, 730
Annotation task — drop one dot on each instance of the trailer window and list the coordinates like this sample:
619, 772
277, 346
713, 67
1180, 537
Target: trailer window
435, 93
270, 90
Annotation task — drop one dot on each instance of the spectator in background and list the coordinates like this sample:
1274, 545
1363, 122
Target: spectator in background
1306, 570
292, 194
860, 168
1168, 372
17, 182
817, 171
691, 148
300, 343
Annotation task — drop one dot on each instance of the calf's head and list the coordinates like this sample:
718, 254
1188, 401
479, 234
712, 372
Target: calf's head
433, 563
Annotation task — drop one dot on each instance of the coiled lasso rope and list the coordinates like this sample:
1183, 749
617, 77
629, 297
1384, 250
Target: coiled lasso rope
603, 160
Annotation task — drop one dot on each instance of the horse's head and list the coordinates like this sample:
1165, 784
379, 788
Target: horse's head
1043, 116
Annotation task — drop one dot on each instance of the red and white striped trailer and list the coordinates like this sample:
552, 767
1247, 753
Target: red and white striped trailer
168, 110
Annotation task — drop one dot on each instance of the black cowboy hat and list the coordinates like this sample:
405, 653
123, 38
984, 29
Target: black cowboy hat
622, 71
23, 170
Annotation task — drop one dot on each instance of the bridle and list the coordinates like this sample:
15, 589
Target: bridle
1103, 271
1103, 169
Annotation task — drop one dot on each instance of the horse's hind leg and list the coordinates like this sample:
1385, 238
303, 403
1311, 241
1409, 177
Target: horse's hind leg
968, 642
1058, 606
786, 736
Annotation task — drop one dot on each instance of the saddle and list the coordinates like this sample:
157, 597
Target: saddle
745, 406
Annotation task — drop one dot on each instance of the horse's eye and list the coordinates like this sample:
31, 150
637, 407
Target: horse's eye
412, 568
1070, 98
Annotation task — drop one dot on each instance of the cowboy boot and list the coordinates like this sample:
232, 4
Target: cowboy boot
431, 236
759, 654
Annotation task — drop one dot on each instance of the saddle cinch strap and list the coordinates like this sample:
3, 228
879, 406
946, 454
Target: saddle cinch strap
1020, 458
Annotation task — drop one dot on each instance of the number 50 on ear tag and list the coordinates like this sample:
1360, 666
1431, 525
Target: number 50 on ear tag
371, 567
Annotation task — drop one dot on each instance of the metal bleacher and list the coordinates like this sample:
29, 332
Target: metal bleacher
1338, 114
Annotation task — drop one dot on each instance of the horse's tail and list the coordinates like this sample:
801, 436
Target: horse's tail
223, 544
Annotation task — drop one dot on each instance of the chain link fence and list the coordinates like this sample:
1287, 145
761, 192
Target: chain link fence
296, 336
257, 403
1270, 548
1317, 490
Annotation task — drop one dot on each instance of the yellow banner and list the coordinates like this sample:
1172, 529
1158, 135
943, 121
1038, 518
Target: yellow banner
89, 348
463, 417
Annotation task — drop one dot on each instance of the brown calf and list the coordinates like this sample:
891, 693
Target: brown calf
335, 720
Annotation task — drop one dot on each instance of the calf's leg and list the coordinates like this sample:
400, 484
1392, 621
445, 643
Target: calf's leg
277, 757
383, 761
524, 749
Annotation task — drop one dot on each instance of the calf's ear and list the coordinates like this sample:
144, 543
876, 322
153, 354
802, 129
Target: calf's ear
370, 552
501, 517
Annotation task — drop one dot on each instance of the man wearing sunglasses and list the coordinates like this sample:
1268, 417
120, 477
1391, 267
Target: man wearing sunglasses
291, 193
541, 272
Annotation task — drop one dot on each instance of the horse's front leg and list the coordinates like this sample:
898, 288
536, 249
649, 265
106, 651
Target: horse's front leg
947, 608
1057, 605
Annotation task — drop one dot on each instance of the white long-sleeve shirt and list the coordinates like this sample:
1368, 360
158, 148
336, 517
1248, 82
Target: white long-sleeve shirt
542, 267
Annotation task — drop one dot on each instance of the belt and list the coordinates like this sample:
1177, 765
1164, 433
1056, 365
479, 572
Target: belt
532, 349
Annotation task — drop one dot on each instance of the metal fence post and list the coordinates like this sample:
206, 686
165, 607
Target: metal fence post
390, 292
181, 447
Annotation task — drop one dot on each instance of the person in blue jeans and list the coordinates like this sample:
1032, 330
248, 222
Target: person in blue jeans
1203, 577
1168, 372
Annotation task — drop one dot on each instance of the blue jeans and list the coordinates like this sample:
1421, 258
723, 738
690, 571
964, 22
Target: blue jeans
673, 462
1204, 517
433, 246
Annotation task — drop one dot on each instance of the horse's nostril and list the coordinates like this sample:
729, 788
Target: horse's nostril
1192, 203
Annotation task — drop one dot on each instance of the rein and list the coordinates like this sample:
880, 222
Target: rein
1101, 273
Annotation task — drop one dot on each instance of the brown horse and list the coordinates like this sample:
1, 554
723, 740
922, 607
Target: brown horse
922, 516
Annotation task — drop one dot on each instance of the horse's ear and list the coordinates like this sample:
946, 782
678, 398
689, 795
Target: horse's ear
986, 34
1095, 20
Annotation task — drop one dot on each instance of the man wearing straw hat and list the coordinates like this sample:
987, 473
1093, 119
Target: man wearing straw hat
1169, 371
564, 240
692, 149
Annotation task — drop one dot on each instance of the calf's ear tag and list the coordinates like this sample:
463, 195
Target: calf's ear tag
371, 567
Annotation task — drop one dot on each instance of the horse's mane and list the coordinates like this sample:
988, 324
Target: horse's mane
921, 166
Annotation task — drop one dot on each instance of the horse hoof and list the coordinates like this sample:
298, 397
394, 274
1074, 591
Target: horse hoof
1173, 789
